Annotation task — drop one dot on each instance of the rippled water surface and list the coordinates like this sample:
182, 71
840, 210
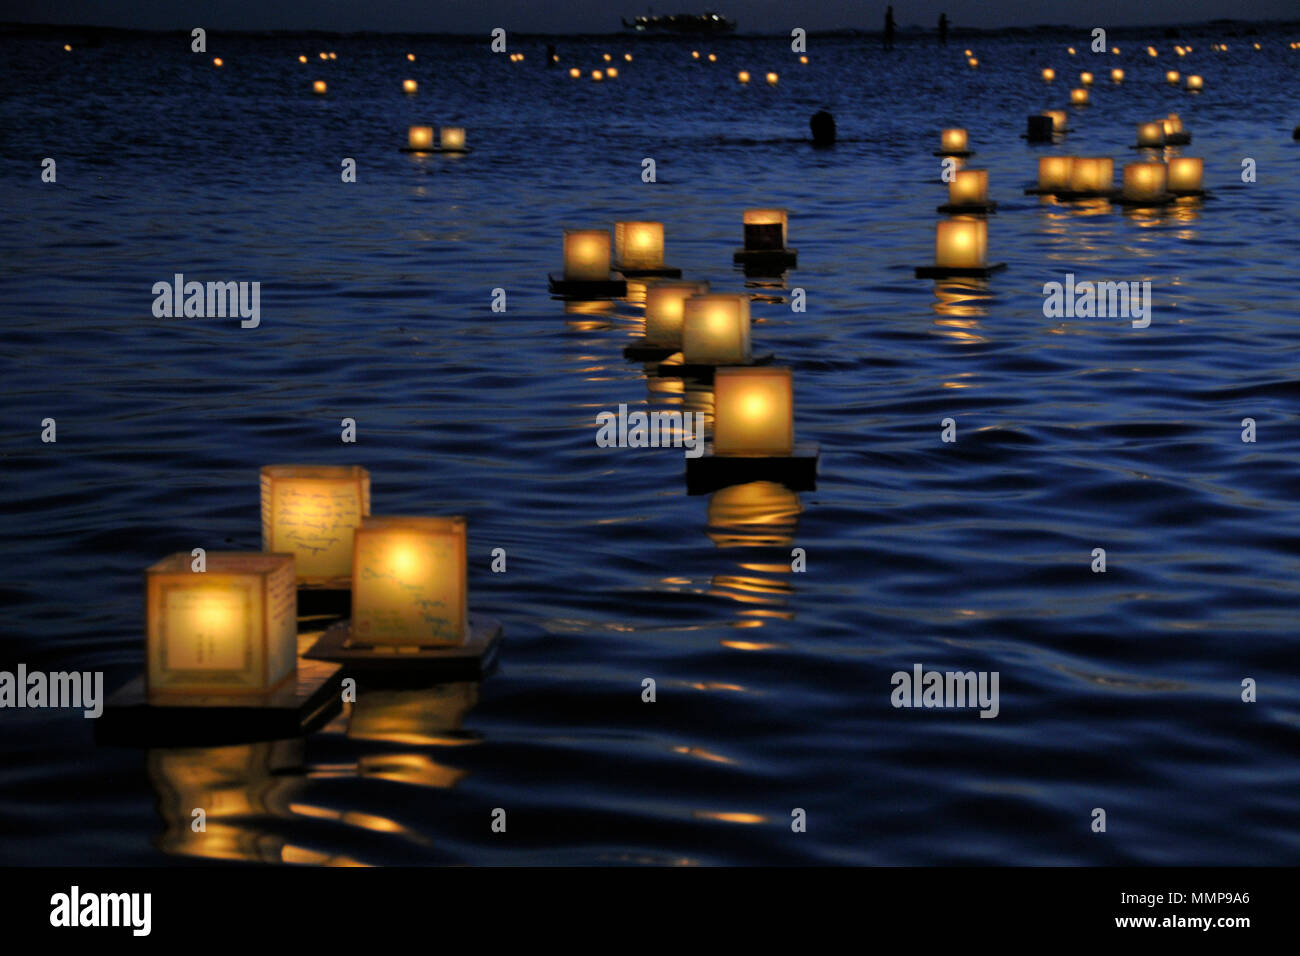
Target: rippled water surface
1118, 690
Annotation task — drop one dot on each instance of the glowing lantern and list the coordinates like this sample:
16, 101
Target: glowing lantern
753, 411
969, 187
1092, 174
574, 72
772, 79
310, 511
743, 76
1114, 51
961, 244
627, 57
1172, 77
695, 54
969, 53
586, 255
953, 140
1085, 78
409, 582
1059, 119
411, 57
1070, 50
420, 137
607, 57
713, 58
665, 311
230, 629
597, 75
1079, 96
1185, 174
803, 60
1054, 173
67, 47
765, 229
1117, 75
1049, 74
333, 55
1194, 82
715, 330
972, 62
318, 87
409, 86
1151, 134
324, 56
1144, 181
217, 61
451, 138
612, 72
639, 245
1151, 51
302, 59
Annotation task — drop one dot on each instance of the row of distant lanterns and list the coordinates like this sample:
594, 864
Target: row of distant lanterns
1080, 94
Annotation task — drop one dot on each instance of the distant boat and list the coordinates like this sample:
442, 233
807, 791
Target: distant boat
706, 24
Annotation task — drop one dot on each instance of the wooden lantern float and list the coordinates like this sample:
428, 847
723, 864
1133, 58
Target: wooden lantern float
664, 314
960, 250
765, 242
410, 600
639, 250
753, 434
1144, 185
311, 512
587, 263
954, 142
968, 191
1186, 176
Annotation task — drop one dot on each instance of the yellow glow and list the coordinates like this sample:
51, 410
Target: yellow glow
743, 76
969, 53
597, 75
1151, 134
969, 187
731, 817
1049, 74
1054, 172
695, 54
961, 243
575, 72
612, 72
67, 47
1117, 75
451, 137
1085, 78
953, 140
753, 411
217, 61
302, 59
333, 55
715, 329
1144, 180
665, 310
1186, 173
318, 87
1092, 174
1151, 51
420, 137
772, 79
1070, 50
409, 581
713, 58
311, 512
803, 60
1114, 51
1059, 119
606, 57
409, 86
1172, 76
324, 56
627, 57
411, 57
1194, 82
639, 245
1078, 96
586, 254
972, 62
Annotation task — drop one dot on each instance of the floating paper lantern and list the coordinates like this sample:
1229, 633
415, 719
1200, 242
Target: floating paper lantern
230, 629
574, 72
311, 511
324, 56
612, 72
451, 138
639, 245
765, 229
586, 255
1195, 83
713, 58
1070, 50
803, 60
715, 330
665, 310
1151, 134
409, 86
1172, 125
1059, 119
1079, 96
217, 61
969, 187
333, 56
627, 57
1117, 75
597, 75
753, 411
772, 79
318, 87
606, 57
695, 54
1054, 173
961, 244
1185, 174
1085, 78
743, 76
409, 582
67, 48
1092, 174
1144, 181
420, 137
1114, 51
973, 62
1151, 51
1172, 76
302, 59
953, 140
411, 57
1049, 74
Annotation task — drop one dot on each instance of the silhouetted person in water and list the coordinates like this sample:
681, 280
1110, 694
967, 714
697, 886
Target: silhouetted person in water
823, 128
889, 28
943, 28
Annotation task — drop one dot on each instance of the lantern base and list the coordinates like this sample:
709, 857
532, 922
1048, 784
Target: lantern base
587, 288
134, 718
942, 272
1067, 196
980, 208
1178, 139
959, 153
766, 259
642, 351
663, 272
1190, 193
796, 471
1163, 199
473, 660
703, 372
433, 149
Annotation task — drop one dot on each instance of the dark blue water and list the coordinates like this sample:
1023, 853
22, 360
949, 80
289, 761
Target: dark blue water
1119, 690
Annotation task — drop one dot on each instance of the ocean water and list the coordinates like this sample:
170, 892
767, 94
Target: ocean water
1119, 691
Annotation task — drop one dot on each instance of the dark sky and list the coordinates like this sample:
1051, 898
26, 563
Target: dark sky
598, 16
